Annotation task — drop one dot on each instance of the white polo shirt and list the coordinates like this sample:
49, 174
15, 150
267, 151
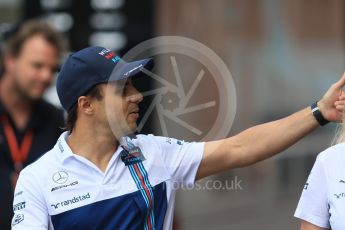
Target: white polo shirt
62, 190
322, 202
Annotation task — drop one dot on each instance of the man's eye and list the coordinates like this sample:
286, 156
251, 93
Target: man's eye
125, 89
55, 69
37, 65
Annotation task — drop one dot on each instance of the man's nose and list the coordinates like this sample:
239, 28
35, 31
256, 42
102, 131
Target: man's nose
136, 96
46, 75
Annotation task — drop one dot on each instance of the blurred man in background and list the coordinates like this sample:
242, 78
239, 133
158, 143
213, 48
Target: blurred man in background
29, 126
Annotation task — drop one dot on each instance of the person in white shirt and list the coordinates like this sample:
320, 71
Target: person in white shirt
322, 203
101, 176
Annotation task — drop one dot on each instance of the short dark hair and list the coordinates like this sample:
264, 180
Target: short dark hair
30, 29
72, 115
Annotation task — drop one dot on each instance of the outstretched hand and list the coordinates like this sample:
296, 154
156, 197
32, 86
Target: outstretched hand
332, 104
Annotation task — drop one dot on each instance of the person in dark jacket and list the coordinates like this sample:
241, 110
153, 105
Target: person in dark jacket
29, 125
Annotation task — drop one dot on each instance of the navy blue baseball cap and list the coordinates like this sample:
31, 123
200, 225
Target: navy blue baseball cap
91, 66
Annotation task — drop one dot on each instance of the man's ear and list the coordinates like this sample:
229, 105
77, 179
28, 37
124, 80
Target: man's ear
85, 105
9, 61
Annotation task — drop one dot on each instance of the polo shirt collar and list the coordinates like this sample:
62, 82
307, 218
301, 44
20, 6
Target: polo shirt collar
63, 148
65, 152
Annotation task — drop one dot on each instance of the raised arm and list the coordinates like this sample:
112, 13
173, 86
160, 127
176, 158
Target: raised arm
263, 141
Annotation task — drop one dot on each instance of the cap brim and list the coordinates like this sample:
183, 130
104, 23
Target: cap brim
125, 70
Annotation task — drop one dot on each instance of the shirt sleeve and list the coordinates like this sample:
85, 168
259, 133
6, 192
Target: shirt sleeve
313, 205
182, 159
29, 208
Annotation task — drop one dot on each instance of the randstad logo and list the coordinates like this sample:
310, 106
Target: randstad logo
71, 201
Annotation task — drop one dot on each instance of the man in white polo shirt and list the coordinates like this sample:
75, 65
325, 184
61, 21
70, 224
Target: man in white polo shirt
101, 176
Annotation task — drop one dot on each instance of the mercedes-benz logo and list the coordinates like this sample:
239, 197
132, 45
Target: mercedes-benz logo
60, 177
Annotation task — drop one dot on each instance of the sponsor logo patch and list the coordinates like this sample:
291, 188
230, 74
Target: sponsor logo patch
339, 195
64, 186
109, 55
17, 219
61, 147
60, 177
134, 155
19, 206
74, 200
306, 186
18, 193
134, 69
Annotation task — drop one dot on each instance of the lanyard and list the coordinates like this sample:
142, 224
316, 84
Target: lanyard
132, 157
20, 153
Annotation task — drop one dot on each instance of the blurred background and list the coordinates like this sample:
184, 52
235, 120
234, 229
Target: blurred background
282, 54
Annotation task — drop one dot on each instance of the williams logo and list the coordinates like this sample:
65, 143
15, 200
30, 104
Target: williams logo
74, 200
108, 54
19, 206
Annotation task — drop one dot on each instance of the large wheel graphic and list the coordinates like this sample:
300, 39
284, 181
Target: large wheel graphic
194, 97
